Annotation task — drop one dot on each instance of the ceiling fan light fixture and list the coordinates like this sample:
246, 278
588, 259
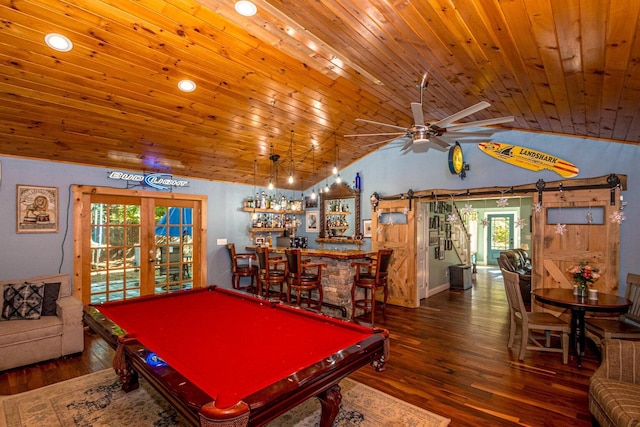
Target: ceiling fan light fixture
245, 8
58, 42
420, 137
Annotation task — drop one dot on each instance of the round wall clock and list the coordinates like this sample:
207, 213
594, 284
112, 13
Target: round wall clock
456, 159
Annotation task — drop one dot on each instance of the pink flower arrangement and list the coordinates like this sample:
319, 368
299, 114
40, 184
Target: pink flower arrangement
583, 274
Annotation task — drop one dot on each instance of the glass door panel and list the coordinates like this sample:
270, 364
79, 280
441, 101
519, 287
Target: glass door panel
115, 249
173, 248
500, 231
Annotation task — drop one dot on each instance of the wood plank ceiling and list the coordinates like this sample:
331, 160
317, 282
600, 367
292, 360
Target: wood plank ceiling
301, 71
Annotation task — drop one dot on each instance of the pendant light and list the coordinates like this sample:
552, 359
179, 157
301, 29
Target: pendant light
291, 164
335, 164
313, 153
326, 183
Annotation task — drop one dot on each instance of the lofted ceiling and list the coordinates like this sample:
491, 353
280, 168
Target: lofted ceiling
298, 74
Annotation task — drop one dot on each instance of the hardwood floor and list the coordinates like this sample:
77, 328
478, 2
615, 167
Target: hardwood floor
448, 356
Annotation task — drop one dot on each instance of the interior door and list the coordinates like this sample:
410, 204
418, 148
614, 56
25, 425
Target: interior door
393, 226
500, 236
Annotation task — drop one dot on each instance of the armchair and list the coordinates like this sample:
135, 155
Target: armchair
614, 388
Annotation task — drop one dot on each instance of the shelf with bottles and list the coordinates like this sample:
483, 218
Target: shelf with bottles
263, 202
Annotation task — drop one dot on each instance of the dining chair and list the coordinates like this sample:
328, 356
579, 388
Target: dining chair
599, 328
527, 323
242, 265
371, 276
304, 277
272, 271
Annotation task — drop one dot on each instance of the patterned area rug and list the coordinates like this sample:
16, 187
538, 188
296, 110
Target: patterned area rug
96, 400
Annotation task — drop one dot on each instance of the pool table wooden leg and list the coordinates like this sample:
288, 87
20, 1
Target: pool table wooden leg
128, 375
330, 402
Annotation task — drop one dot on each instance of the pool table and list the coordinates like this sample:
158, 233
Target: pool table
223, 358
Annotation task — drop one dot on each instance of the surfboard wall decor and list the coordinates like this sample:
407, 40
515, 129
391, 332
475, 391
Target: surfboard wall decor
527, 158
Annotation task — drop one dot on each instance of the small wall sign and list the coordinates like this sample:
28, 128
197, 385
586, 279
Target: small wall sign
36, 209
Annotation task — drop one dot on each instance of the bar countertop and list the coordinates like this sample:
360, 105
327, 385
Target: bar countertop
325, 253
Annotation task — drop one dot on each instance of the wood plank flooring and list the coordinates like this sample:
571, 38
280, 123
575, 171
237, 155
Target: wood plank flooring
448, 356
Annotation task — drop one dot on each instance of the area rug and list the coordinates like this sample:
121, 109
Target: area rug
96, 400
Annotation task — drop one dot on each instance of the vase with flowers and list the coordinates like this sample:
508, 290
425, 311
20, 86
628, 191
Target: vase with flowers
583, 274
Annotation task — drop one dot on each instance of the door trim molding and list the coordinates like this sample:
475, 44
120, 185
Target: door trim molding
82, 197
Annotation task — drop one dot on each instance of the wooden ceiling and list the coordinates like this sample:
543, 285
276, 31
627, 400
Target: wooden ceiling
299, 73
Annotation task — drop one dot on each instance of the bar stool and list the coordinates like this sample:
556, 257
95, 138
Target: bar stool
269, 274
303, 278
242, 266
371, 276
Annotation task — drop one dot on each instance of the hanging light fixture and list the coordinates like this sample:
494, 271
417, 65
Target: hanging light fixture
326, 182
335, 161
313, 153
291, 164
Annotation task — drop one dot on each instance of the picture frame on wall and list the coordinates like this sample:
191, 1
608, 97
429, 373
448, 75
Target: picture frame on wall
310, 203
441, 249
433, 237
366, 228
312, 223
36, 209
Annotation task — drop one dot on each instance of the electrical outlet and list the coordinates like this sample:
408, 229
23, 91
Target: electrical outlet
221, 242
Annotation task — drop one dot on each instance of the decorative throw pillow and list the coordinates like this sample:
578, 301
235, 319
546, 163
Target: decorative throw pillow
51, 292
23, 301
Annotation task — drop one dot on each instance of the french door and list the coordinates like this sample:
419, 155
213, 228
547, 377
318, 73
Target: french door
500, 236
136, 244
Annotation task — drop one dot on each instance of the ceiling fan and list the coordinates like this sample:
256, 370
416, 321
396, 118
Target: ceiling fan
435, 135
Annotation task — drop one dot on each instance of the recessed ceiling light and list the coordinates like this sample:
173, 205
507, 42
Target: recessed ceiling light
58, 42
246, 8
186, 85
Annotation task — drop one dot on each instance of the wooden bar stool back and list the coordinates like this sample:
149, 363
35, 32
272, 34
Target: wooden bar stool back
242, 265
272, 271
371, 277
304, 277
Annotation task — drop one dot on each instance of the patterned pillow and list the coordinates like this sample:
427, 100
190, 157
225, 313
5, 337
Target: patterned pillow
51, 292
23, 301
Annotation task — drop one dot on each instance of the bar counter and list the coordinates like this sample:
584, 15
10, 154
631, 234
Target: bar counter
337, 278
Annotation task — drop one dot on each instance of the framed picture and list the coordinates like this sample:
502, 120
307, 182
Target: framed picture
312, 223
259, 241
433, 237
366, 228
441, 249
36, 209
310, 203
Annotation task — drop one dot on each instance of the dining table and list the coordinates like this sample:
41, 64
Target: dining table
579, 305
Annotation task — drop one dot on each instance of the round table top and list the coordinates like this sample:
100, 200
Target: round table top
562, 297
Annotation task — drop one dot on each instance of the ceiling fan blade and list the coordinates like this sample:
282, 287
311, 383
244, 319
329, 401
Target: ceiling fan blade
374, 134
463, 113
408, 145
478, 134
439, 144
418, 116
380, 124
380, 142
480, 123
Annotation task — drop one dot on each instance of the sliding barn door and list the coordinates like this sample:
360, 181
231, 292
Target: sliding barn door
393, 226
575, 226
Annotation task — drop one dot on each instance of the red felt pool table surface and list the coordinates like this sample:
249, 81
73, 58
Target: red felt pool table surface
230, 345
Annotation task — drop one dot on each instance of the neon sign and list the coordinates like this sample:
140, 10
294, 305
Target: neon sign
159, 181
